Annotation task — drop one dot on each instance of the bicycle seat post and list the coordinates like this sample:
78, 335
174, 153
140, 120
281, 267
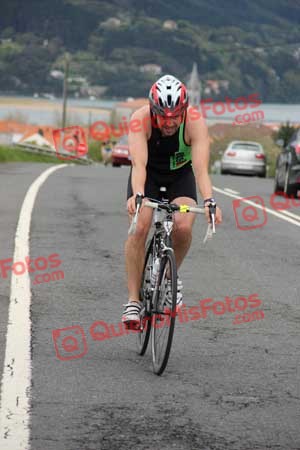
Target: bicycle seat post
163, 195
159, 214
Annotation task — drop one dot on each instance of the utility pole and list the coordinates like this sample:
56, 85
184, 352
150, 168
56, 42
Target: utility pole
65, 89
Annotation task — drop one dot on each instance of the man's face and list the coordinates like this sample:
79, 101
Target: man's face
169, 125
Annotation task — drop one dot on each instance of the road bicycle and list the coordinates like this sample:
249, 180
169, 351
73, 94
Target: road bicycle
158, 292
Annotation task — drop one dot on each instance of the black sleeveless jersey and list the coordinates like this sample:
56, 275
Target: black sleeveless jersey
167, 154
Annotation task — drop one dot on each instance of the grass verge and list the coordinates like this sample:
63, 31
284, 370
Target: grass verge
15, 154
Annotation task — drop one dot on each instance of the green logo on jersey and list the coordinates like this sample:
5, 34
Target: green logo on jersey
183, 155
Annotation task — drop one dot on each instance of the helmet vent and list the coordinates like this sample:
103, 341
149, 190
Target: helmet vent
168, 92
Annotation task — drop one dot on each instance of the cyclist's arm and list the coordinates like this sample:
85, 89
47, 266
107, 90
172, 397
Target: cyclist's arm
138, 150
198, 134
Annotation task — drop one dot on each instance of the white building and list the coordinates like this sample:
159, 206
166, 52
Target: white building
151, 68
111, 22
170, 25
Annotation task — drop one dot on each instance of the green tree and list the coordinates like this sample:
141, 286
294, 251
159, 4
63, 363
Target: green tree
285, 133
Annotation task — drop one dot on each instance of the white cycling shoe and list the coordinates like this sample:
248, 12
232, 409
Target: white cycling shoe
131, 315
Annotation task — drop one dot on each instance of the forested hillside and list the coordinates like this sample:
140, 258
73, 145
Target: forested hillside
253, 45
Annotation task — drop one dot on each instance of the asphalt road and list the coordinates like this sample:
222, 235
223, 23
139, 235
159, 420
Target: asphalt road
227, 386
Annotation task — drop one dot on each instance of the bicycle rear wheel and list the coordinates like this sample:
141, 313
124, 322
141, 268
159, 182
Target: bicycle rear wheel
163, 318
146, 297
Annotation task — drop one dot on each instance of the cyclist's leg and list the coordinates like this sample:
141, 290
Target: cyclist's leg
182, 230
183, 191
135, 253
135, 244
181, 239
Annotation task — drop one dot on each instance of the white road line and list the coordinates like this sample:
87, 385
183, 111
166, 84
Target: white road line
16, 378
231, 191
289, 213
270, 211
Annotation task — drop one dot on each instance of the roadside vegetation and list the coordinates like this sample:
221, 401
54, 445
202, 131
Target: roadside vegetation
285, 133
14, 154
95, 151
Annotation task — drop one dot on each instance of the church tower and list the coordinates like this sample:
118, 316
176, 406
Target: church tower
194, 87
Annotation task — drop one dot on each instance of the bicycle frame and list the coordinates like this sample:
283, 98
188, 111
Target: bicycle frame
160, 257
161, 242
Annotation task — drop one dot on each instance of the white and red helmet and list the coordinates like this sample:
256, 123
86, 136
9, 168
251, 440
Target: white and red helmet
168, 97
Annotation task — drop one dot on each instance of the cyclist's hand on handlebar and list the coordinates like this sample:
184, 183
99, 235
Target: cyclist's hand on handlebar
131, 204
218, 216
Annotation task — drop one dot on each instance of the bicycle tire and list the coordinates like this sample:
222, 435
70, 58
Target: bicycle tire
160, 357
144, 333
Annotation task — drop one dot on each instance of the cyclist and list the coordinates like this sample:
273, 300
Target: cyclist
106, 152
171, 149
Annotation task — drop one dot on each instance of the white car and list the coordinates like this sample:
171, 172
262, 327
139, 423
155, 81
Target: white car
244, 157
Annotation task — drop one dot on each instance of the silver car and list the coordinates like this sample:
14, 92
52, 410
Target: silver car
244, 157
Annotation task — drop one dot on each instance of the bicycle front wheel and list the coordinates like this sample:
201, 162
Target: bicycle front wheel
163, 318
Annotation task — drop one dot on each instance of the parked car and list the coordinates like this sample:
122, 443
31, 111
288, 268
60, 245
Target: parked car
244, 157
287, 176
120, 153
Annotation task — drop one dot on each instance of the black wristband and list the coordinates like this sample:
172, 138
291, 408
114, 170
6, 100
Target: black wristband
209, 200
139, 198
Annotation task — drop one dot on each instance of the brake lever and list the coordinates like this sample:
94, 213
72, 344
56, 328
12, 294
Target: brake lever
213, 223
212, 213
132, 227
211, 229
138, 201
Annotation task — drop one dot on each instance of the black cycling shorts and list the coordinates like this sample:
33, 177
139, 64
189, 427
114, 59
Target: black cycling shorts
180, 183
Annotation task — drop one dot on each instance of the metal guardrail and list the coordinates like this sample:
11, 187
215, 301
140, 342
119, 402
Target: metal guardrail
32, 148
